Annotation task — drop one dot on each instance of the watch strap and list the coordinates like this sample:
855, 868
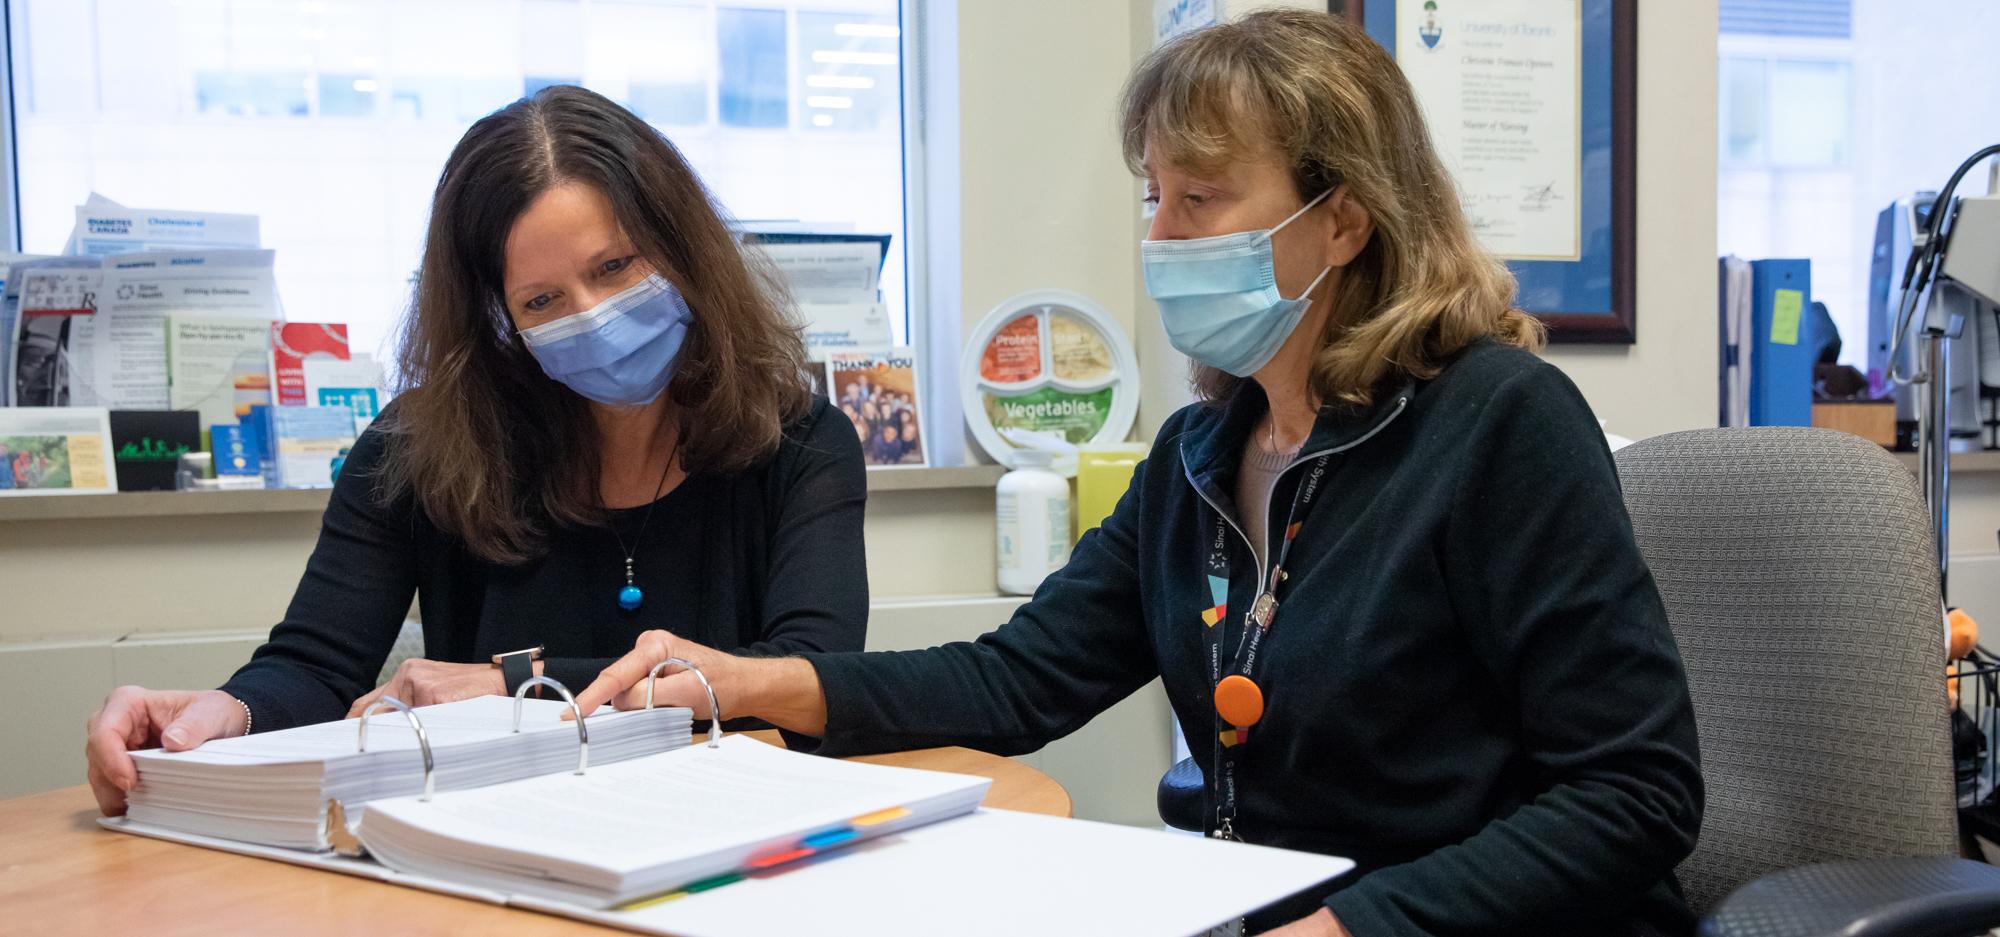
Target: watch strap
516, 669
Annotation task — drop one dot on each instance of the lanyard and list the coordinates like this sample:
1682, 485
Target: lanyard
1239, 701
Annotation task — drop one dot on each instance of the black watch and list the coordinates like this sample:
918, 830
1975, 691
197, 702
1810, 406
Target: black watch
518, 667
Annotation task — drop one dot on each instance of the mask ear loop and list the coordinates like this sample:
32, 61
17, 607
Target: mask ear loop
1307, 295
1306, 208
1329, 267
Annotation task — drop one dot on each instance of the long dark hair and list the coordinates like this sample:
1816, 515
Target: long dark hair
492, 449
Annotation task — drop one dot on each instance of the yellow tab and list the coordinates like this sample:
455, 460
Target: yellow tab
880, 817
651, 902
1786, 307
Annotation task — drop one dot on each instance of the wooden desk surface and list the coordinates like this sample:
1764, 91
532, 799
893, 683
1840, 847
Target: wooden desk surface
62, 874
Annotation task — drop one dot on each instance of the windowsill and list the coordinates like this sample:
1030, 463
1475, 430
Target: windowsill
313, 500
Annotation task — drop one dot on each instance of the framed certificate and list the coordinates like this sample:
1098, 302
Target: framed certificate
1530, 103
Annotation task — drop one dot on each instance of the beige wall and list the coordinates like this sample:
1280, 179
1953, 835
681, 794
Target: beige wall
1045, 199
1667, 380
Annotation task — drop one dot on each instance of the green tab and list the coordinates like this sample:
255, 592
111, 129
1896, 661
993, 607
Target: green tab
709, 884
1785, 308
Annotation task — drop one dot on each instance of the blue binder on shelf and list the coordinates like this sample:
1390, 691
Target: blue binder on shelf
1781, 343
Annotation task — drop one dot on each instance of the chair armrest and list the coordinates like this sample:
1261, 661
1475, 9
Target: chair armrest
1917, 897
1181, 795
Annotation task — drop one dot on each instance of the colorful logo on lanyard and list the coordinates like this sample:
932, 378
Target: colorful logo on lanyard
1218, 587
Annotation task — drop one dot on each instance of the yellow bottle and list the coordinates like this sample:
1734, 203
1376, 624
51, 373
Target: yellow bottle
1103, 472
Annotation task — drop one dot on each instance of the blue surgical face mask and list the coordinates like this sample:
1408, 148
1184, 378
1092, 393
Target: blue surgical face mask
622, 350
1219, 299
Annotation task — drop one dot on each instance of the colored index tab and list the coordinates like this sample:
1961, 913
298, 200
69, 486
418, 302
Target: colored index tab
715, 882
780, 858
641, 903
828, 838
1786, 307
881, 816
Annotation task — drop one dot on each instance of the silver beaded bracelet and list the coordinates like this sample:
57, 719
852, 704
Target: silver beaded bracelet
247, 717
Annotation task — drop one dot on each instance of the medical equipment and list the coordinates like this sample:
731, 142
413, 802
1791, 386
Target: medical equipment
1950, 277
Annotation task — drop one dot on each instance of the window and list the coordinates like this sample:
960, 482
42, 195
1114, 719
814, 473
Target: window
1785, 112
331, 119
1829, 111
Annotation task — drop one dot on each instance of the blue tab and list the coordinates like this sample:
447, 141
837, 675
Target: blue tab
829, 838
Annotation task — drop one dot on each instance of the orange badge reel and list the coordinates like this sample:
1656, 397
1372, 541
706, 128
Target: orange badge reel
1239, 700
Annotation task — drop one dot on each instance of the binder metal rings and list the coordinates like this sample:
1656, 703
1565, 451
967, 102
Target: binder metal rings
423, 741
714, 708
582, 735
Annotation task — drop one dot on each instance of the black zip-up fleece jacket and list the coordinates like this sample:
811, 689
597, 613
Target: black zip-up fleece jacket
1471, 689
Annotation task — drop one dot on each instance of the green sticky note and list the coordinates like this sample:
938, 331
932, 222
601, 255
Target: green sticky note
1785, 308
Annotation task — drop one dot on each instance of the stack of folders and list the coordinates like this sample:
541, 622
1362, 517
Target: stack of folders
275, 788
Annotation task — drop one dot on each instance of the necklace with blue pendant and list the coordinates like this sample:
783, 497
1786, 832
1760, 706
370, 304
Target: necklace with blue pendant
631, 596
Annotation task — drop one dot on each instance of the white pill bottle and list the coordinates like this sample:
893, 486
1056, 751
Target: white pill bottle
1033, 520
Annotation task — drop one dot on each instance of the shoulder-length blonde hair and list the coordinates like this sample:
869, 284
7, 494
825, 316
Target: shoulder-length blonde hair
1328, 98
494, 451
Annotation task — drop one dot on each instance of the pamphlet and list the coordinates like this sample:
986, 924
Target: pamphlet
836, 279
10, 310
830, 268
118, 355
355, 384
235, 451
106, 227
217, 366
55, 451
301, 444
43, 296
878, 395
845, 327
292, 345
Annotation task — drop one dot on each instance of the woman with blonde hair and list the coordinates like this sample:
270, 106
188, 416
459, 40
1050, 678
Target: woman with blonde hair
1383, 567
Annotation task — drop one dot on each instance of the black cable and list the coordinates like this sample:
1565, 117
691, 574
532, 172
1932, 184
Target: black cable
1926, 258
1932, 244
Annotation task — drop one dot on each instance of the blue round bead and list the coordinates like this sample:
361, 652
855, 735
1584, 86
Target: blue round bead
629, 597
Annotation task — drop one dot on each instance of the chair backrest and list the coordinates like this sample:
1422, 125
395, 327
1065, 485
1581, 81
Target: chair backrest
1802, 588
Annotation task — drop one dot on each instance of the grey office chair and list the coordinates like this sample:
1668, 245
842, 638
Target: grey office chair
1800, 584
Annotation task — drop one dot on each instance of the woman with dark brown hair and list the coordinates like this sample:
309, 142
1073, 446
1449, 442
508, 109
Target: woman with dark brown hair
606, 427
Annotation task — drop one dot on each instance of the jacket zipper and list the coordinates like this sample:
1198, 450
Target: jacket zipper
1264, 566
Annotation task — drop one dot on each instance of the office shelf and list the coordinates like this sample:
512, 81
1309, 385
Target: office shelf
313, 501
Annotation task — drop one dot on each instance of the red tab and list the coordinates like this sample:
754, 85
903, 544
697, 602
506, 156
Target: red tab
779, 858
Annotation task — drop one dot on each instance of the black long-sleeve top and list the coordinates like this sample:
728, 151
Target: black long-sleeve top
1471, 689
765, 561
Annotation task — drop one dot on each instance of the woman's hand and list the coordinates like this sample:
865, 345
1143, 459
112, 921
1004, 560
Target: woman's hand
623, 684
1320, 923
134, 717
782, 691
420, 682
